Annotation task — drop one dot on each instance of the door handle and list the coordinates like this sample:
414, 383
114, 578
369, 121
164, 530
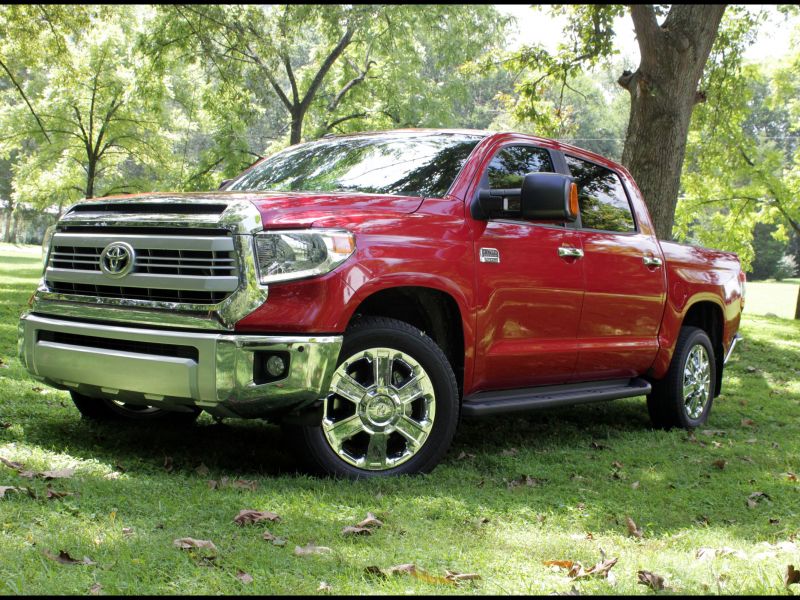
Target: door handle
652, 261
566, 251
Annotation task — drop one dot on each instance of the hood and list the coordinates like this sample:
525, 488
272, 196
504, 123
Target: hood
297, 209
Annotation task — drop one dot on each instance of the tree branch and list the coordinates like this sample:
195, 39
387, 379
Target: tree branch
24, 97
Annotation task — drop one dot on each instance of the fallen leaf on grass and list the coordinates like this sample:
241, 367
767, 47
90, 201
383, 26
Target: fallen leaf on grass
5, 425
11, 464
58, 474
65, 559
754, 498
409, 569
276, 541
635, 485
309, 549
712, 432
244, 577
632, 528
188, 543
720, 463
350, 530
598, 446
8, 488
455, 576
464, 455
168, 463
617, 465
202, 470
324, 587
577, 571
791, 476
792, 576
560, 564
651, 580
248, 516
510, 452
56, 495
96, 589
748, 422
710, 553
370, 521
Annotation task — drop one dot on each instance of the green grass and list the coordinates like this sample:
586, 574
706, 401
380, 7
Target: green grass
772, 298
682, 501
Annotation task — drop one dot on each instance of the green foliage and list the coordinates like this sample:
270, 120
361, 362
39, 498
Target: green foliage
767, 251
742, 161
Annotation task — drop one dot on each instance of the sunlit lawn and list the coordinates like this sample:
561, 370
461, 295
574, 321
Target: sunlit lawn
589, 466
773, 298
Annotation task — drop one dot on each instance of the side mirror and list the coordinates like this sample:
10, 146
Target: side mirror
542, 197
224, 183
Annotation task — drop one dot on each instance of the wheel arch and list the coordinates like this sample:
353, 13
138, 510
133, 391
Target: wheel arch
430, 309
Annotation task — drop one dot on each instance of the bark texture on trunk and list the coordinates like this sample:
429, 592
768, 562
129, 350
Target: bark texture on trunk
797, 308
663, 94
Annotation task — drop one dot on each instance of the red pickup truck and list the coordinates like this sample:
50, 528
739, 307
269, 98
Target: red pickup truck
367, 291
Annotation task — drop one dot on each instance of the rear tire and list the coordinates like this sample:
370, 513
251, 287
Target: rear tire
685, 395
392, 407
104, 410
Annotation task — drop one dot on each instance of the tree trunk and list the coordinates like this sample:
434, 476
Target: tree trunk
297, 129
663, 94
797, 307
9, 230
90, 171
12, 233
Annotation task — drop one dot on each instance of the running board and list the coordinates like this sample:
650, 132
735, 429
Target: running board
506, 401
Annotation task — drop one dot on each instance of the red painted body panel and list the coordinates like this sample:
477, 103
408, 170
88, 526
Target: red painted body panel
532, 319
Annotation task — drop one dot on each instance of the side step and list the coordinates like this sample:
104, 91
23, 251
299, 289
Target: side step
482, 404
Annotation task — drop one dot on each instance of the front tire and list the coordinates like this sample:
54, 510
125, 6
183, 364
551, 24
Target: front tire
392, 407
684, 397
104, 410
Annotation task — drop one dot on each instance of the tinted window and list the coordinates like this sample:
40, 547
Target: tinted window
510, 165
406, 165
602, 199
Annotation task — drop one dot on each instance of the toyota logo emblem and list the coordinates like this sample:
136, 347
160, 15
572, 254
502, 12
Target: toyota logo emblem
117, 259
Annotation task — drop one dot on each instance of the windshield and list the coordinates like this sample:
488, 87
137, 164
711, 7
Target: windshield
405, 165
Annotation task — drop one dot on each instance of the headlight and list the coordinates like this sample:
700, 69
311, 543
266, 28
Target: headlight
284, 255
48, 237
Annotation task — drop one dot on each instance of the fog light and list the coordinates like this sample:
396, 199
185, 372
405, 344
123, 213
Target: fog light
275, 365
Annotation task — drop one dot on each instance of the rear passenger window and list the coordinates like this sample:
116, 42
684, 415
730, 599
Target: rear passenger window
602, 199
510, 165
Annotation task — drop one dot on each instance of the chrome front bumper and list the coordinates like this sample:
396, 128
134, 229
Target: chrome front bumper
173, 369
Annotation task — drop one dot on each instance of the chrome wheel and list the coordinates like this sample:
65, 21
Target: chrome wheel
696, 381
380, 409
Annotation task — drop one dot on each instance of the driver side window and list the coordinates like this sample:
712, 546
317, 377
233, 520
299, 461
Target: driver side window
510, 165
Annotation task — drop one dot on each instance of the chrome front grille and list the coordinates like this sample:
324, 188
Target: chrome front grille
150, 260
195, 269
174, 261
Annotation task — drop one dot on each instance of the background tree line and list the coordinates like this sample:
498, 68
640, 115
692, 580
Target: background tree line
99, 100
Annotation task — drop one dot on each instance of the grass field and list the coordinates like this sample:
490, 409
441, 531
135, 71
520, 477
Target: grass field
772, 298
512, 493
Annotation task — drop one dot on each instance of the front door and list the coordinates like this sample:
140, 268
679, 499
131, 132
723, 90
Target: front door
528, 292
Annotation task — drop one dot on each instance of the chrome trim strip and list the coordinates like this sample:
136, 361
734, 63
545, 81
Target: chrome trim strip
737, 338
145, 242
146, 280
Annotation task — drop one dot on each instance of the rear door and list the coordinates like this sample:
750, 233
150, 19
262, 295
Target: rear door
528, 293
625, 283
